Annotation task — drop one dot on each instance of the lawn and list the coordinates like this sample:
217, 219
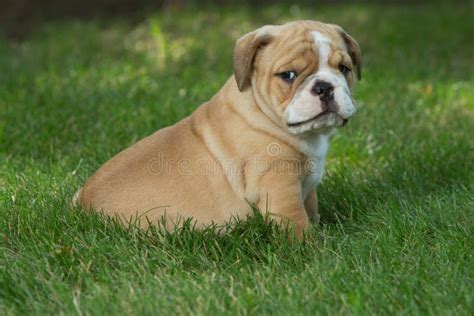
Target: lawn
397, 201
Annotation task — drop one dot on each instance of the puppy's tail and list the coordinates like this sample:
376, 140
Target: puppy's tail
76, 198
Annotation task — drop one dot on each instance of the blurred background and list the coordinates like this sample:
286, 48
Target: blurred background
17, 17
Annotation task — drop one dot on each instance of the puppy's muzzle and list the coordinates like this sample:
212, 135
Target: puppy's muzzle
325, 91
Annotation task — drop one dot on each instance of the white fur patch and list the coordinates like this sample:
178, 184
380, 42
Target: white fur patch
324, 49
316, 148
326, 73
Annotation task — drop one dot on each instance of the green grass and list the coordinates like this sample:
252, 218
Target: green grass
397, 202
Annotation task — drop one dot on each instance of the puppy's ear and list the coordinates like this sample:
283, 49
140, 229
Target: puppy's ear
244, 53
353, 50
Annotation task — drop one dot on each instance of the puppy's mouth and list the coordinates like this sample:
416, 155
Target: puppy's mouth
317, 117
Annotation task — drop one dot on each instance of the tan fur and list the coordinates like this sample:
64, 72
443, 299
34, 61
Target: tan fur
213, 165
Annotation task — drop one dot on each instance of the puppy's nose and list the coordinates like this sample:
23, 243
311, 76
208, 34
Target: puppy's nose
324, 90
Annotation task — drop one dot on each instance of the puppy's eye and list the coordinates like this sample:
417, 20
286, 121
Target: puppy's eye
344, 69
288, 76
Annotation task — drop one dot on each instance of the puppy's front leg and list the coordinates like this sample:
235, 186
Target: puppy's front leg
281, 198
311, 205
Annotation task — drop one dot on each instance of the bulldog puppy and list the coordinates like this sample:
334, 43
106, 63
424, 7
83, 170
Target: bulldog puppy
261, 140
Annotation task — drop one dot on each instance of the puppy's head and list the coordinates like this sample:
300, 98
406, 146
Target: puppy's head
301, 73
